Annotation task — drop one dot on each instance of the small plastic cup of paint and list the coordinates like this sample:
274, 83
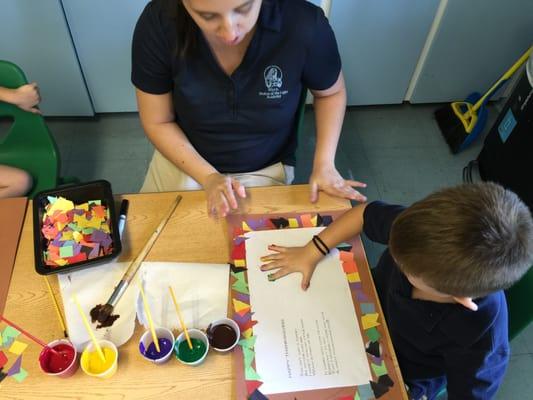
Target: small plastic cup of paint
59, 358
92, 364
200, 347
166, 344
223, 334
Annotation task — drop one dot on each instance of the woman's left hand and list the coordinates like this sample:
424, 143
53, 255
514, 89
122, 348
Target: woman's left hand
328, 180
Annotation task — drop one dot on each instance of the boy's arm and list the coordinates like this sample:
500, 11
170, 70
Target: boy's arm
26, 97
304, 259
475, 375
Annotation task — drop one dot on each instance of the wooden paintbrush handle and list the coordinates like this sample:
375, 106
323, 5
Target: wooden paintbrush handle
134, 266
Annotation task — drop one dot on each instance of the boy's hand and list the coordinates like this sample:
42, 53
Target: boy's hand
292, 259
27, 97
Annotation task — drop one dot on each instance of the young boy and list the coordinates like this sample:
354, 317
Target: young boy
440, 281
13, 181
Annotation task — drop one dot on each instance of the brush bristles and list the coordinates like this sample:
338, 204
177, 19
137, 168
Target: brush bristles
451, 128
104, 313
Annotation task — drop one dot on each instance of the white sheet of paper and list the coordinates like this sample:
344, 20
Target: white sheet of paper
93, 286
305, 340
201, 291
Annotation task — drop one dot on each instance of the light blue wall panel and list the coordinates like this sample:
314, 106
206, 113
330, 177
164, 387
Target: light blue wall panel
380, 42
476, 42
35, 36
102, 31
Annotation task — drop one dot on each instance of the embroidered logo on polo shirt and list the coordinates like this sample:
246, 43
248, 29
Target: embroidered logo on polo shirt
273, 82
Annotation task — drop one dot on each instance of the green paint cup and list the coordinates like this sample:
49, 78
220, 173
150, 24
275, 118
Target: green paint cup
197, 355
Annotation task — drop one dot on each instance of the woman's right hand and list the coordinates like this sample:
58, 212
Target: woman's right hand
220, 193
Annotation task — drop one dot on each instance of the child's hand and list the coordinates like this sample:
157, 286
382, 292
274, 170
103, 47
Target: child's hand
292, 259
27, 97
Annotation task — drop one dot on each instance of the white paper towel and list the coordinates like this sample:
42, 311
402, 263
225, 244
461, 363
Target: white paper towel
93, 286
201, 291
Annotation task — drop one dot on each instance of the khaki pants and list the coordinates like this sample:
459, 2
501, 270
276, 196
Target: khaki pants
163, 176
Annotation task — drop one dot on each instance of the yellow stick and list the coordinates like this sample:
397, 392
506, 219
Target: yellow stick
150, 322
56, 306
89, 329
180, 317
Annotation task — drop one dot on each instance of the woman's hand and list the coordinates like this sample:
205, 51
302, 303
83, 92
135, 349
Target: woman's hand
292, 259
220, 193
328, 179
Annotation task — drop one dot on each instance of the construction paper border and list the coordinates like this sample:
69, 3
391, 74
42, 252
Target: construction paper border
385, 384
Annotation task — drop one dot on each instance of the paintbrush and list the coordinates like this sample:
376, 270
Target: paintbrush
56, 307
103, 312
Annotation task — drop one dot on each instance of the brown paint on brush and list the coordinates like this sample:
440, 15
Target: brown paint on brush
222, 336
103, 315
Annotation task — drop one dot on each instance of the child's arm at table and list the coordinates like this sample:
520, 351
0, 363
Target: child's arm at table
304, 259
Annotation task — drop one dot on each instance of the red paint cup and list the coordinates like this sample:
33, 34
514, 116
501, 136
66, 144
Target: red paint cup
59, 358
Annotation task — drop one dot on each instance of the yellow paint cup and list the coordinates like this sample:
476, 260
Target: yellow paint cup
92, 364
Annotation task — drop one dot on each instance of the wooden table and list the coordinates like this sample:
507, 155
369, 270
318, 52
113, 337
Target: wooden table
188, 237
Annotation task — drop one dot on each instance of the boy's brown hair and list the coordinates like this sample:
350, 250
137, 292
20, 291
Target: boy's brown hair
469, 240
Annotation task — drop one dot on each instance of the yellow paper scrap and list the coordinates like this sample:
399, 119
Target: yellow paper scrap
353, 277
239, 263
314, 220
77, 236
247, 334
61, 204
67, 235
84, 207
293, 223
370, 320
18, 347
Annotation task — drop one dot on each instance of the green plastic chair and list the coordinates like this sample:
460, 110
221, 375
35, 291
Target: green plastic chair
28, 144
519, 304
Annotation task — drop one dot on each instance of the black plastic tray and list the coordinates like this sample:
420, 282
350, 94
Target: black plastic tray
96, 190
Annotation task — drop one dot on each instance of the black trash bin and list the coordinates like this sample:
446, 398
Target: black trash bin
507, 154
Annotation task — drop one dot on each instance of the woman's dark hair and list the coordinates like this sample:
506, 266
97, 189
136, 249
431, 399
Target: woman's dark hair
186, 28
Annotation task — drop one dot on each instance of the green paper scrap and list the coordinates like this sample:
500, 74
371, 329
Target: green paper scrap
87, 231
248, 356
51, 199
97, 202
356, 397
10, 332
66, 251
372, 334
239, 276
248, 343
380, 369
250, 374
74, 227
241, 287
22, 374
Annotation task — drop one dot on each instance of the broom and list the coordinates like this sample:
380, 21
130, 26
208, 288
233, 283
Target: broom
462, 121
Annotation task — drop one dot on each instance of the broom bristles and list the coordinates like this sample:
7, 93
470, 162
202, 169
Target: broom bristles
451, 127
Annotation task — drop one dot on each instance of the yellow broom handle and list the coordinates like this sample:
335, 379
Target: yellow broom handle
505, 76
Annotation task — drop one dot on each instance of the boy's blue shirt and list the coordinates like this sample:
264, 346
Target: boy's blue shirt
469, 350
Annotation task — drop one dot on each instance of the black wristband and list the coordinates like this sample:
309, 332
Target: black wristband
320, 245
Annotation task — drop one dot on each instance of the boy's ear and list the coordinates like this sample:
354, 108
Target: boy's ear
466, 302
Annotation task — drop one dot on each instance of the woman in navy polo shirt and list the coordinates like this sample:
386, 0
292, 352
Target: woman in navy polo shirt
218, 85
